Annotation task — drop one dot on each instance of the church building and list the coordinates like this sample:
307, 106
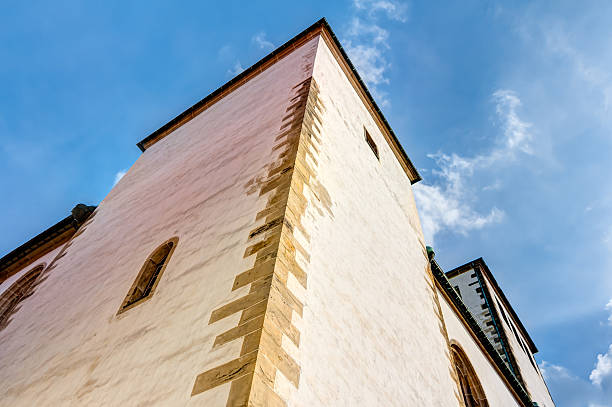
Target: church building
264, 250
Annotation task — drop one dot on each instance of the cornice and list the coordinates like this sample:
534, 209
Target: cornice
484, 269
44, 242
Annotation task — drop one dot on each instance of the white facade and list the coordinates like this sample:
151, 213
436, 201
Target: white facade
300, 275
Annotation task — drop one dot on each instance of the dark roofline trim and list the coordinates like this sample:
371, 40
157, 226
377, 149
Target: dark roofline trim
479, 262
416, 177
259, 66
467, 316
44, 241
516, 369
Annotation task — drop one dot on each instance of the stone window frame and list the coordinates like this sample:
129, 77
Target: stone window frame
22, 288
466, 376
127, 304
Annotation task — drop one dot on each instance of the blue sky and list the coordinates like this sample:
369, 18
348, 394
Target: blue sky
505, 108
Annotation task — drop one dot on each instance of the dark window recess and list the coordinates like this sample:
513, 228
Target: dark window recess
478, 289
149, 275
469, 385
473, 275
473, 282
488, 314
484, 306
10, 299
372, 144
458, 290
489, 323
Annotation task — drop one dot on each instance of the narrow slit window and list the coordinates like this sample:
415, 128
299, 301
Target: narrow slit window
149, 275
372, 144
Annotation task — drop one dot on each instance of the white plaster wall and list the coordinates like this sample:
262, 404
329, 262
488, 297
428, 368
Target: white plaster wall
369, 334
495, 389
67, 347
531, 375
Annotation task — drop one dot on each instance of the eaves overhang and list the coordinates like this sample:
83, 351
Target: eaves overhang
480, 263
44, 242
465, 314
320, 27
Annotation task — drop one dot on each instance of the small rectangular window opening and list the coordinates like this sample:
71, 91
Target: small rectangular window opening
372, 144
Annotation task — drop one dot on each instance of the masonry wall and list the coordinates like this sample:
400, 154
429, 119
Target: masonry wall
370, 333
67, 346
495, 389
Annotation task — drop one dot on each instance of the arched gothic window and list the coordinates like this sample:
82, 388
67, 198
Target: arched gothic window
149, 275
19, 291
471, 390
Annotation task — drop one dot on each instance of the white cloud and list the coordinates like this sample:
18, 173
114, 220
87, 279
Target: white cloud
236, 69
447, 204
394, 10
603, 369
262, 43
118, 176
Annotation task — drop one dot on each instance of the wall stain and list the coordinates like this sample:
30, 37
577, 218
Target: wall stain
267, 308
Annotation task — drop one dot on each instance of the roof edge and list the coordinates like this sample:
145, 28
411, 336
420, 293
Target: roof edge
44, 242
479, 262
448, 290
320, 26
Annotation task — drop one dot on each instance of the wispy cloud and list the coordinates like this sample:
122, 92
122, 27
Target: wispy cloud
261, 42
392, 9
227, 53
516, 131
576, 391
447, 203
608, 308
236, 69
551, 371
119, 175
367, 43
591, 71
